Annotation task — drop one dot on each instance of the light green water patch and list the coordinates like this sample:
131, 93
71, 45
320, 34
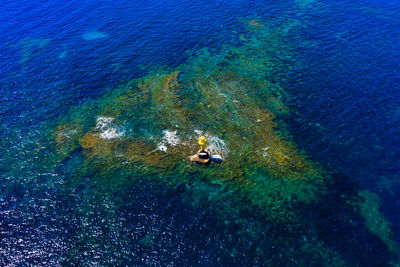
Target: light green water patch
63, 54
388, 184
94, 35
306, 3
31, 47
368, 205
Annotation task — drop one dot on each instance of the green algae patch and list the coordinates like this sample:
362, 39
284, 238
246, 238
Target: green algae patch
66, 136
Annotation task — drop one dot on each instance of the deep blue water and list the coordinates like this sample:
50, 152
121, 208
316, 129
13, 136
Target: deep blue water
344, 94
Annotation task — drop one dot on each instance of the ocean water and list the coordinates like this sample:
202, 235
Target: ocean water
102, 102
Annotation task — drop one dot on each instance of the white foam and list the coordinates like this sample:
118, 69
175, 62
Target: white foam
104, 125
170, 138
216, 145
111, 133
162, 147
103, 122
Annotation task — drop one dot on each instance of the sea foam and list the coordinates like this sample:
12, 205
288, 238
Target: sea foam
107, 131
170, 138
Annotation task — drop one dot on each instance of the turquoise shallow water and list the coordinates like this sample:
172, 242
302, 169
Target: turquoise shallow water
324, 72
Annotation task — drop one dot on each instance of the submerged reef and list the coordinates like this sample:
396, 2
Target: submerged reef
146, 128
31, 47
94, 35
368, 205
